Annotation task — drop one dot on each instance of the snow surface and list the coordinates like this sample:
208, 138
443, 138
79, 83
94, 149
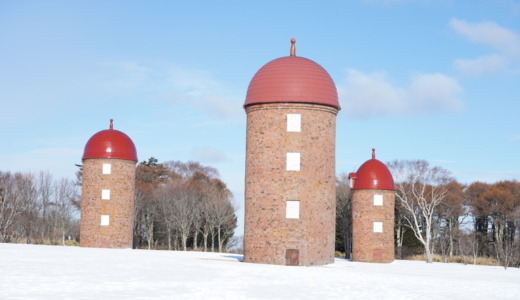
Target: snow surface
57, 272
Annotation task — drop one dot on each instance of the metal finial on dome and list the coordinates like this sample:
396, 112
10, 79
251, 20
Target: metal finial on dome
373, 153
293, 47
111, 124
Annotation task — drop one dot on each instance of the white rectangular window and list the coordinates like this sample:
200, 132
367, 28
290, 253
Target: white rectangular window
292, 209
105, 220
105, 194
294, 122
293, 161
107, 168
378, 200
378, 227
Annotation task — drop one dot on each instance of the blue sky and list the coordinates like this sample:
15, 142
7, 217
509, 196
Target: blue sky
434, 80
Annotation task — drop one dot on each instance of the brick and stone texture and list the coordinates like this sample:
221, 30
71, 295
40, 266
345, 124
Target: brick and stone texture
269, 237
119, 208
368, 246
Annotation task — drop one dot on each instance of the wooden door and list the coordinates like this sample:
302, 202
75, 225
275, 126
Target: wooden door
292, 257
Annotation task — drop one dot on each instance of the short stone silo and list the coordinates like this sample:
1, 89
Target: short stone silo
291, 107
107, 200
373, 200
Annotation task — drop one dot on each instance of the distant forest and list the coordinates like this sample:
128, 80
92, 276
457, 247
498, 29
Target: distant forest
178, 206
185, 206
440, 219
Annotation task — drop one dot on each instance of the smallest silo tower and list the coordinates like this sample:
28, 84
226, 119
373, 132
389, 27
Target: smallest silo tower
107, 198
373, 200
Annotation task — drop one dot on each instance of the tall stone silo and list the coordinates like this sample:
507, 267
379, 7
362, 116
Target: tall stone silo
373, 200
107, 200
291, 107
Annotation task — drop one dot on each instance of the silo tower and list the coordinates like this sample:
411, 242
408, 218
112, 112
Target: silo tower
291, 107
373, 200
107, 200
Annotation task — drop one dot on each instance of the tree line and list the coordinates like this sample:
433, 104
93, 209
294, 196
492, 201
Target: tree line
177, 206
182, 205
38, 208
435, 214
187, 206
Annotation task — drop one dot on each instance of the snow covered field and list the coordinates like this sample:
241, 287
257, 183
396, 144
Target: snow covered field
55, 272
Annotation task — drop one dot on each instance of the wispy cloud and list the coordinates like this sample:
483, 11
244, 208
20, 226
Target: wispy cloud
489, 176
187, 87
208, 155
443, 161
199, 89
503, 41
127, 76
374, 94
59, 160
390, 2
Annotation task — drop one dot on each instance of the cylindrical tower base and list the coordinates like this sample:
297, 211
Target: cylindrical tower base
373, 225
107, 203
290, 184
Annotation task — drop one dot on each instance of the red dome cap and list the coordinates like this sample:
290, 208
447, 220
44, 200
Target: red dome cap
292, 79
373, 175
110, 143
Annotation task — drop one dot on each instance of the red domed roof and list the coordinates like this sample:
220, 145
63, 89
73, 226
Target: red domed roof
373, 175
110, 143
292, 79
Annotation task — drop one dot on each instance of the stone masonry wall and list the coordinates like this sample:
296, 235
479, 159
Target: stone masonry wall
368, 246
119, 208
268, 233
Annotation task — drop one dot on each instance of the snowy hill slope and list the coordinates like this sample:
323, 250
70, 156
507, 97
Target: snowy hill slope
54, 272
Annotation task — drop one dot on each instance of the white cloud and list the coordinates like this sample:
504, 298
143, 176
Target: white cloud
505, 42
370, 95
188, 87
200, 90
481, 65
208, 155
489, 34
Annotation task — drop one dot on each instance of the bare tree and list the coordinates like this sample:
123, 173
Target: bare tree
66, 195
182, 200
191, 169
176, 206
453, 212
400, 228
29, 219
17, 192
45, 195
236, 244
222, 209
149, 211
197, 220
139, 203
420, 189
208, 222
480, 212
166, 209
149, 176
503, 200
344, 213
469, 245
